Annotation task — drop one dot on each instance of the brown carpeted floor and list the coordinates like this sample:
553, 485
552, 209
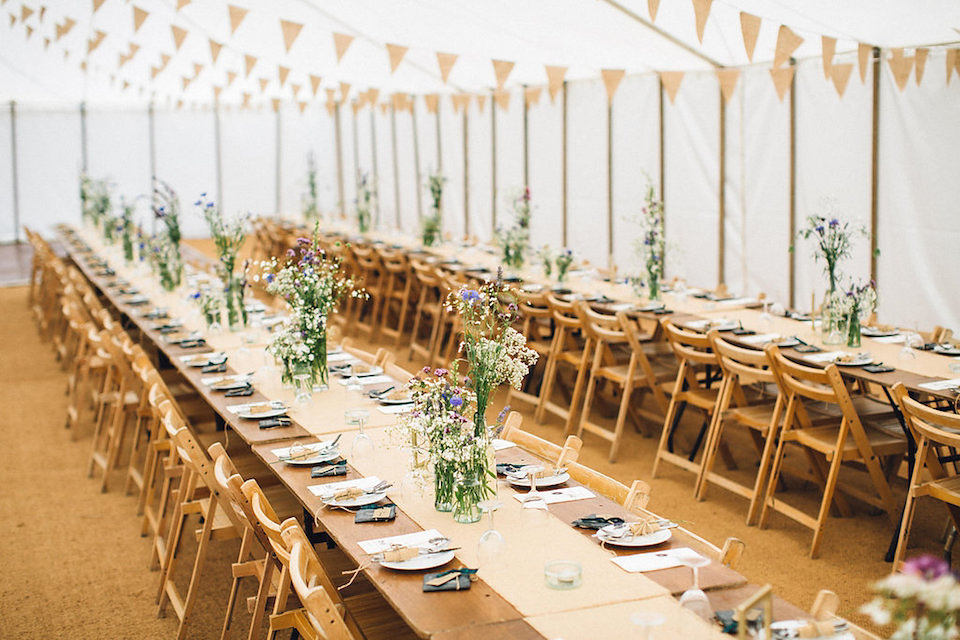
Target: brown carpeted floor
74, 562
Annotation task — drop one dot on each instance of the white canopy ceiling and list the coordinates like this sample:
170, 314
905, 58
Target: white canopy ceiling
42, 57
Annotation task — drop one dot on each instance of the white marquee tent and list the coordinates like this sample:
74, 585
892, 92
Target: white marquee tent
749, 115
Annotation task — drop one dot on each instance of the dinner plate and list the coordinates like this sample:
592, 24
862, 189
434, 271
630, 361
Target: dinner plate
872, 332
426, 561
946, 350
542, 483
359, 501
205, 359
271, 413
325, 456
653, 306
227, 385
648, 540
859, 360
402, 400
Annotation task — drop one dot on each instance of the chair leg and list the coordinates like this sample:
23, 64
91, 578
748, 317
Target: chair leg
621, 417
905, 525
828, 492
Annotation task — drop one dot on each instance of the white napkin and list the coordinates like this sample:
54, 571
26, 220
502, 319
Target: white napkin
243, 408
326, 491
620, 306
759, 338
895, 339
940, 385
415, 539
825, 356
732, 302
656, 560
313, 446
394, 409
500, 444
215, 379
216, 356
367, 380
567, 494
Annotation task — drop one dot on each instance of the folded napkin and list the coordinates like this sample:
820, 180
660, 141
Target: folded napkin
656, 560
246, 406
395, 409
940, 385
621, 306
415, 539
311, 448
567, 494
897, 339
329, 490
596, 521
759, 338
368, 380
450, 580
376, 513
825, 356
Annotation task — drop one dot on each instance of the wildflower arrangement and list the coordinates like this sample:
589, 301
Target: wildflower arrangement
125, 227
312, 285
546, 259
923, 600
515, 240
858, 301
210, 304
650, 246
365, 195
94, 199
430, 224
228, 236
833, 239
165, 246
311, 209
564, 260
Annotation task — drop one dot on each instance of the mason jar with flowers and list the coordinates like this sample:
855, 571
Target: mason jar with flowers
858, 302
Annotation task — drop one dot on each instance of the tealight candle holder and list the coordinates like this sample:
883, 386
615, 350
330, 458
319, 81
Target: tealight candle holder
563, 574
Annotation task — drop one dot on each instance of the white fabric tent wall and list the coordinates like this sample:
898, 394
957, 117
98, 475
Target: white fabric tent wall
479, 150
303, 134
186, 160
248, 146
348, 160
587, 171
545, 149
407, 174
118, 146
385, 204
451, 151
510, 182
8, 232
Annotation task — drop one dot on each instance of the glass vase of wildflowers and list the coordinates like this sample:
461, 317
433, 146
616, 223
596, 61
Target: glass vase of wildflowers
431, 223
515, 240
165, 245
228, 236
650, 246
364, 202
859, 301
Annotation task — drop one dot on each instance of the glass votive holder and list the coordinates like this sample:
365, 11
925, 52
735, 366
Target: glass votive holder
954, 367
356, 416
563, 574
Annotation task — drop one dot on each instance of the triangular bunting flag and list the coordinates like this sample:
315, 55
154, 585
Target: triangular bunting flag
384, 107
341, 42
921, 62
182, 3
431, 100
344, 91
303, 105
294, 88
728, 82
701, 8
282, 73
446, 61
216, 92
951, 63
13, 19
185, 81
671, 83
532, 95
29, 31
237, 14
555, 80
331, 95
502, 69
134, 47
901, 66
215, 48
139, 15
231, 76
68, 24
197, 68
331, 107
154, 72
46, 43
164, 60
396, 53
356, 105
372, 96
249, 61
315, 83
829, 47
179, 35
611, 80
502, 98
290, 32
782, 79
787, 43
95, 41
263, 83
179, 104
481, 101
25, 12
840, 74
653, 6
246, 99
43, 12
125, 84
750, 28
463, 99
863, 57
276, 104
97, 4
122, 60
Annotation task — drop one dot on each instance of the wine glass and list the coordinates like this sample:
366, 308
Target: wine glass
533, 472
490, 545
362, 445
647, 621
533, 502
303, 388
353, 382
694, 598
911, 341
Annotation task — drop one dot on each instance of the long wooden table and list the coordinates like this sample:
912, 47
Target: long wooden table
509, 597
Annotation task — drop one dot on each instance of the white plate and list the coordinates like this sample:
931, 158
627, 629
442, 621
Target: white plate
407, 400
227, 385
272, 413
870, 332
427, 561
542, 483
326, 456
359, 501
858, 361
649, 540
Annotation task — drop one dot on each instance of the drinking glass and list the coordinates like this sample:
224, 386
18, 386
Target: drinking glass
303, 388
490, 545
647, 621
694, 598
362, 445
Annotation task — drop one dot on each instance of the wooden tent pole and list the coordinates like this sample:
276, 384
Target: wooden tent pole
416, 159
663, 164
373, 155
83, 137
875, 165
278, 181
792, 266
152, 144
722, 195
610, 185
396, 164
14, 171
493, 164
338, 144
564, 164
356, 147
439, 143
218, 154
466, 176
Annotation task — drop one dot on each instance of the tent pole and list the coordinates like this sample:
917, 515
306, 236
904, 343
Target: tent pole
493, 164
526, 141
373, 150
279, 175
610, 185
83, 136
721, 224
564, 164
152, 140
356, 143
875, 164
396, 164
792, 267
466, 176
338, 143
439, 144
416, 159
218, 159
663, 181
14, 171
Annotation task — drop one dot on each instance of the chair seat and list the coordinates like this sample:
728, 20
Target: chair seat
946, 490
755, 416
823, 439
702, 398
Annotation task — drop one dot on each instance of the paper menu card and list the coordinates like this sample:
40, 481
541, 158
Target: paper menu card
656, 560
331, 488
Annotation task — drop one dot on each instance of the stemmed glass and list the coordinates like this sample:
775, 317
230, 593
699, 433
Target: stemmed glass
765, 317
694, 598
490, 545
533, 471
533, 502
362, 445
647, 621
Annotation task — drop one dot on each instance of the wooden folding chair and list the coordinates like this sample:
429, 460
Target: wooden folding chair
828, 446
571, 347
936, 472
370, 276
560, 456
697, 366
537, 327
397, 294
429, 312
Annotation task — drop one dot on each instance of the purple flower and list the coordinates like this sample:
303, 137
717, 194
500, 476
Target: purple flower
269, 278
834, 223
926, 566
456, 401
440, 373
198, 203
303, 241
291, 253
